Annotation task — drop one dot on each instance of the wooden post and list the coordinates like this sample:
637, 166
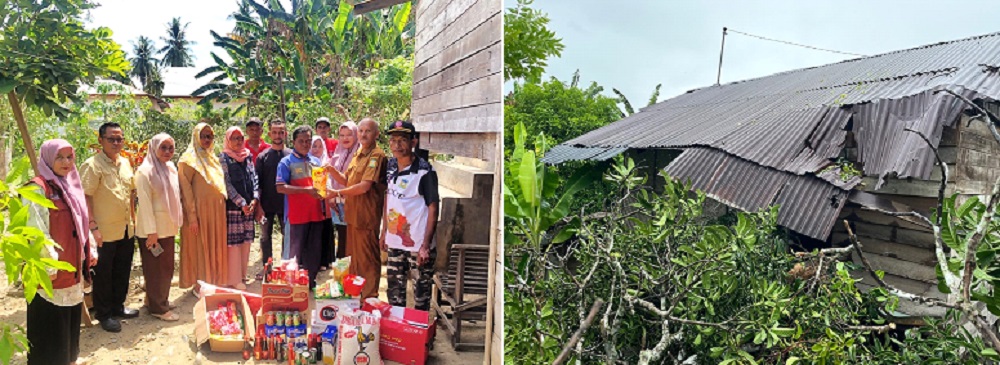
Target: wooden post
28, 145
494, 292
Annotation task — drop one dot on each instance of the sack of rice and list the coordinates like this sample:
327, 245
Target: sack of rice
358, 338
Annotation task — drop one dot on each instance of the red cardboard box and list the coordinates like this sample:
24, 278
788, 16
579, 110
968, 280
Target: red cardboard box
285, 296
202, 332
406, 336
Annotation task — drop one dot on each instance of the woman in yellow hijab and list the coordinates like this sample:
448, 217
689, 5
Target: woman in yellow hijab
203, 196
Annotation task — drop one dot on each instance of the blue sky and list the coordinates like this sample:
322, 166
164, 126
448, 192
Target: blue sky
634, 45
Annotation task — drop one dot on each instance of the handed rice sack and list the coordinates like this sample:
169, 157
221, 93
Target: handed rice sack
358, 338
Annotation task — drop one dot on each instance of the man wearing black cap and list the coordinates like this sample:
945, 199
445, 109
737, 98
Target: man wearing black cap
254, 143
322, 127
410, 218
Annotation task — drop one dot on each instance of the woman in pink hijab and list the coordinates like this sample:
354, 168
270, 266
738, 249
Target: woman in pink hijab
242, 198
158, 220
342, 155
54, 318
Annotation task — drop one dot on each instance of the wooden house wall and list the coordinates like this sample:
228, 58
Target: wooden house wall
457, 78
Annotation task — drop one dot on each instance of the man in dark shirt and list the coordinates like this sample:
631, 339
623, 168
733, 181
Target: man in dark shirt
271, 202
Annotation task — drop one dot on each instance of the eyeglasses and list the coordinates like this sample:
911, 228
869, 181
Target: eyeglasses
207, 136
166, 148
115, 140
236, 138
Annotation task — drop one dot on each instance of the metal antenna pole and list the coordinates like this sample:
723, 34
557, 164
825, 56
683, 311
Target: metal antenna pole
718, 76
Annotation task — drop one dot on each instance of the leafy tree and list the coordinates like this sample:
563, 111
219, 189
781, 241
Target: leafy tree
528, 43
177, 51
46, 53
143, 62
303, 56
559, 111
627, 106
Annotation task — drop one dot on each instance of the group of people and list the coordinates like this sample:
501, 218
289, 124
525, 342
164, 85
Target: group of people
213, 203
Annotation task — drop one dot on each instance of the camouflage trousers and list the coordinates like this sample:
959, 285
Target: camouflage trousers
397, 271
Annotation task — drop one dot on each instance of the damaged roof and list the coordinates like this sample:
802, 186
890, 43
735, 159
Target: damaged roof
778, 135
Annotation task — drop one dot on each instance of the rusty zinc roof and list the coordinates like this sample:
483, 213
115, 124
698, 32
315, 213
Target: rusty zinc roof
796, 122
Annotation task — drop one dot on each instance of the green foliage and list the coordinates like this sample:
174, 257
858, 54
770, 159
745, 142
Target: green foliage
177, 51
959, 228
143, 63
302, 58
679, 288
385, 94
533, 208
557, 110
528, 43
21, 247
47, 52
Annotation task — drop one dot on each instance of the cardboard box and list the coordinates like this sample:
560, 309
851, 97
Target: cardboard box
202, 332
298, 331
326, 311
253, 299
293, 297
406, 336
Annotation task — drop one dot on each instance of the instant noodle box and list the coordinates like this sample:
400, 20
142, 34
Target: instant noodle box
290, 297
202, 333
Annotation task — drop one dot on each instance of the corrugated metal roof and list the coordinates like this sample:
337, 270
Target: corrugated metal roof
808, 205
768, 119
563, 153
795, 122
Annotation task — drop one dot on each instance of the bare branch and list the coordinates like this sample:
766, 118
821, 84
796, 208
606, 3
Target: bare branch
988, 333
900, 214
666, 315
944, 170
564, 355
993, 119
877, 329
882, 283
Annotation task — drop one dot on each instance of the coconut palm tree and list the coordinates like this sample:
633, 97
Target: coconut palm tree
143, 63
177, 52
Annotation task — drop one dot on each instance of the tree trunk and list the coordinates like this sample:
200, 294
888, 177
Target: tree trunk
281, 93
15, 105
5, 152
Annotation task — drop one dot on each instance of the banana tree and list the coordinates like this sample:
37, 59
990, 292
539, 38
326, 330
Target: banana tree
534, 208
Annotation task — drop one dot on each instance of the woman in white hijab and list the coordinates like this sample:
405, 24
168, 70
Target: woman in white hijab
341, 159
158, 220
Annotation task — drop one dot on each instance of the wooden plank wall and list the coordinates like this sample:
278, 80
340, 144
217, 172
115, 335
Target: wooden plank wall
457, 80
905, 249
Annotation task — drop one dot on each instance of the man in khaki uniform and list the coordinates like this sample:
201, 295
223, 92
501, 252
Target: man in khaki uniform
364, 199
107, 182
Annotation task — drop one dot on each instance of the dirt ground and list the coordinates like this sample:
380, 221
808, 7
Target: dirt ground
148, 340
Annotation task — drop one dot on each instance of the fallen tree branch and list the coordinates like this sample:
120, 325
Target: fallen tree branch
898, 214
992, 121
944, 168
972, 245
665, 315
564, 355
876, 329
899, 293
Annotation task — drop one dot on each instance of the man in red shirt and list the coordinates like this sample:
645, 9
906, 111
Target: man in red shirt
323, 130
254, 143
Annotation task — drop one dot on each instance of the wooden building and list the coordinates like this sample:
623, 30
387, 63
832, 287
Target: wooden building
830, 143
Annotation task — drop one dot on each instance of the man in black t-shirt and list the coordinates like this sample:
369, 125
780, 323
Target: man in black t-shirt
272, 204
